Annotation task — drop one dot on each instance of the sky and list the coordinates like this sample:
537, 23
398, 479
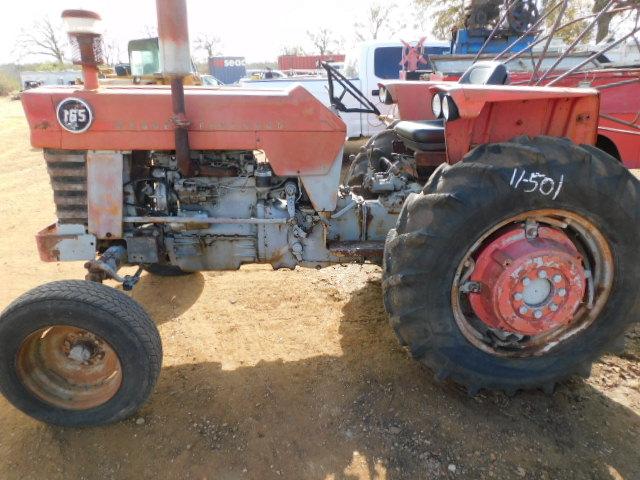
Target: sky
255, 29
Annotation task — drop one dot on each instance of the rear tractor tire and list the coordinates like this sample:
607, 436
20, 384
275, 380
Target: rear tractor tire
77, 353
516, 267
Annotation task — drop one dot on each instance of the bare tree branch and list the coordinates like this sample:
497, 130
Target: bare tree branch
42, 38
378, 18
323, 40
295, 50
208, 43
150, 31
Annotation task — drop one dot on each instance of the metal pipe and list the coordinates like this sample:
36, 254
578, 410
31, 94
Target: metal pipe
592, 57
617, 84
575, 42
107, 265
568, 24
83, 30
617, 130
543, 38
554, 29
173, 39
207, 220
621, 122
181, 123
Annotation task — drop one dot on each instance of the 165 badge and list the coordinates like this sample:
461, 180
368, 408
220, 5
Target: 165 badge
74, 115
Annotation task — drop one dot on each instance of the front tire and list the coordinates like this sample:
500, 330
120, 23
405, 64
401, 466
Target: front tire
78, 353
468, 208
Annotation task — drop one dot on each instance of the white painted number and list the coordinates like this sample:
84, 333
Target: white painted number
531, 182
74, 115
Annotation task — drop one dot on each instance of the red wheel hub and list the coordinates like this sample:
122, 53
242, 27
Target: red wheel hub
528, 285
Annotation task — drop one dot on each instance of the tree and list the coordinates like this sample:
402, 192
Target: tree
43, 38
447, 15
379, 18
111, 51
322, 39
604, 23
295, 50
149, 31
207, 43
575, 9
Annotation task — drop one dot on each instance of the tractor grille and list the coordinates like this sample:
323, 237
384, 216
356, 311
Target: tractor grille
68, 173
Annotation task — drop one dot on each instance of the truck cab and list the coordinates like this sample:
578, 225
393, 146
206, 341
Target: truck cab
366, 65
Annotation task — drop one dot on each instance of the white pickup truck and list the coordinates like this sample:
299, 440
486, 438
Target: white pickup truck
367, 65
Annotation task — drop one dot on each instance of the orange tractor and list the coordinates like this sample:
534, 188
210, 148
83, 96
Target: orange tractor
513, 267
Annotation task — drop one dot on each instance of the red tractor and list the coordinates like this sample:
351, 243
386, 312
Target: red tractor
511, 268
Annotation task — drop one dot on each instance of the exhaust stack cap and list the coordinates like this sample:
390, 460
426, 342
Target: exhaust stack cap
173, 36
82, 21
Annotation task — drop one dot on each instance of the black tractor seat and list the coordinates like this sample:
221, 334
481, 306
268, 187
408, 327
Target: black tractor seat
428, 135
423, 135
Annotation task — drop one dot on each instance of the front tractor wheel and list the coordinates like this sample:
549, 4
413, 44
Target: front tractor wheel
515, 268
77, 353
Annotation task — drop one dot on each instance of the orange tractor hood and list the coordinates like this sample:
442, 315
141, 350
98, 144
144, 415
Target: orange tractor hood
299, 135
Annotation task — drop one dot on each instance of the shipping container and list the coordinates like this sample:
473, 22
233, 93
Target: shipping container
306, 62
227, 69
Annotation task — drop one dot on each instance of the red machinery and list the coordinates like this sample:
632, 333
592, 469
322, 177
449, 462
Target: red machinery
507, 267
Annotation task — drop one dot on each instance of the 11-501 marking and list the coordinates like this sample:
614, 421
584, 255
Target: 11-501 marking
535, 181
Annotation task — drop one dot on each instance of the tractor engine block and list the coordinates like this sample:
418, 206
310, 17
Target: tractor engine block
230, 210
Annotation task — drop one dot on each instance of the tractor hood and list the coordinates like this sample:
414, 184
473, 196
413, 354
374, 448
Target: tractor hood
299, 135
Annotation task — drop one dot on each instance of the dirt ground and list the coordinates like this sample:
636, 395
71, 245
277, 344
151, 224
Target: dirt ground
297, 375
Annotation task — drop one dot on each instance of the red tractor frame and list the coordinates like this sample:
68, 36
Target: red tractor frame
508, 241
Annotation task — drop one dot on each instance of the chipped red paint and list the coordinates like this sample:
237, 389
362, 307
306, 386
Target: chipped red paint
510, 264
298, 134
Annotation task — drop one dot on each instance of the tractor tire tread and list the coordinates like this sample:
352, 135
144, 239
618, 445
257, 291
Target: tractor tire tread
427, 225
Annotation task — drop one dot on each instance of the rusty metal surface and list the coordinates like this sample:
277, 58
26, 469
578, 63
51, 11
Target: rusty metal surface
104, 193
88, 47
142, 249
366, 249
430, 159
515, 272
61, 243
69, 367
181, 126
173, 37
599, 285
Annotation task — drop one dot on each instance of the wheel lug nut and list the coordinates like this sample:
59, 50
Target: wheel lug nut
523, 310
537, 314
562, 292
526, 281
553, 307
542, 274
557, 278
518, 296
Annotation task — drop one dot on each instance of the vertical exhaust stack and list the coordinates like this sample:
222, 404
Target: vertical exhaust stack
85, 29
173, 38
